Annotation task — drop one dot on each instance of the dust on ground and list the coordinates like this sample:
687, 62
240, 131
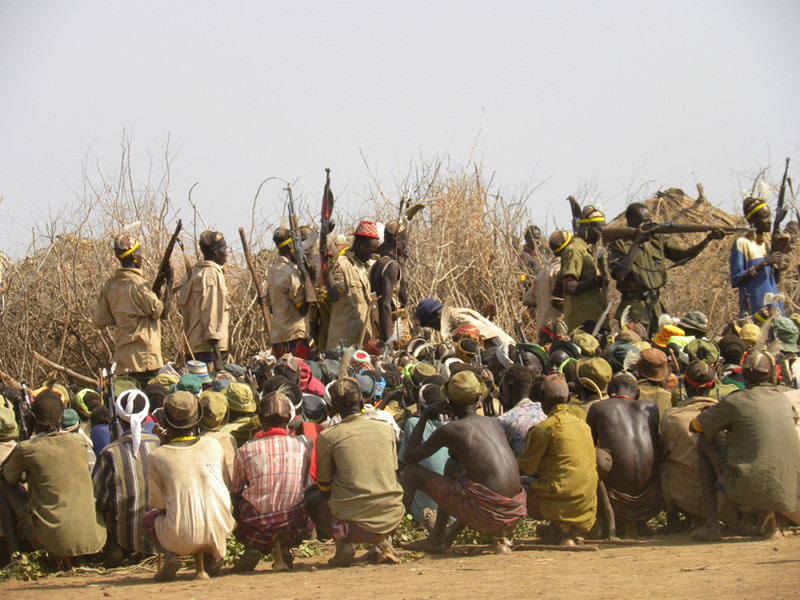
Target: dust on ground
661, 567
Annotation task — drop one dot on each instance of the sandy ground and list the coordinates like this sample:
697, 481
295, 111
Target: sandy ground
666, 567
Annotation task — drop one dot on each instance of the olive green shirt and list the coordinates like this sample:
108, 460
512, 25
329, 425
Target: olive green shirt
351, 311
560, 450
357, 458
578, 264
649, 270
762, 466
60, 507
649, 390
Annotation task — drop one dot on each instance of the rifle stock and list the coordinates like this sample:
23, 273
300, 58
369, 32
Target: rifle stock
612, 234
299, 254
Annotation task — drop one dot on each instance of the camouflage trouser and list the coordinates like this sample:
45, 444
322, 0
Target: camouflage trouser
646, 308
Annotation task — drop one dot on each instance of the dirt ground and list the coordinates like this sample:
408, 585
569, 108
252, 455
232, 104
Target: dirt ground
664, 567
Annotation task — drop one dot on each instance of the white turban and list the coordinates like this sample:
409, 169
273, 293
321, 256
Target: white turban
124, 406
503, 357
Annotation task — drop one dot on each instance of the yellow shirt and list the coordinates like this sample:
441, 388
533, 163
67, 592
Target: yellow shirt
127, 303
285, 293
203, 304
560, 450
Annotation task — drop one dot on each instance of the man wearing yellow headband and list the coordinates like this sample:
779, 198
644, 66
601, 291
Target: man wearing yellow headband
639, 266
128, 304
287, 301
754, 267
584, 297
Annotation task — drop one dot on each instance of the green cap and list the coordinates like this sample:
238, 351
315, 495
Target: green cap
587, 343
215, 410
8, 423
465, 387
71, 420
785, 331
189, 383
594, 372
705, 350
536, 349
240, 398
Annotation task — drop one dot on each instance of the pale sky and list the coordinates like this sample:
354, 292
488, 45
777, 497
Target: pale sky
611, 94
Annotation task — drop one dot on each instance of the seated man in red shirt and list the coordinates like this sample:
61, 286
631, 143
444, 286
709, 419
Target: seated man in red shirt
269, 479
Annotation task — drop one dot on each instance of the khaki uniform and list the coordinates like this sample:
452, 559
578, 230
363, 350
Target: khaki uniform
680, 483
203, 304
649, 390
127, 303
641, 289
351, 311
577, 263
285, 293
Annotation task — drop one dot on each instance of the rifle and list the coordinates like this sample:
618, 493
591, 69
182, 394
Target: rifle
299, 253
161, 277
23, 406
780, 241
523, 339
612, 234
262, 299
111, 403
326, 225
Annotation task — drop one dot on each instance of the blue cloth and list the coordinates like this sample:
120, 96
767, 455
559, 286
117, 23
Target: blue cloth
746, 253
434, 462
517, 421
101, 437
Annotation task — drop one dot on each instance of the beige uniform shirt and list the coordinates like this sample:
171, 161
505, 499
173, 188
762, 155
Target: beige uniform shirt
128, 304
186, 479
351, 311
285, 293
203, 302
229, 447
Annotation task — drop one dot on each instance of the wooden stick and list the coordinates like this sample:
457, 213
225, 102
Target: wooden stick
10, 381
557, 548
65, 370
252, 268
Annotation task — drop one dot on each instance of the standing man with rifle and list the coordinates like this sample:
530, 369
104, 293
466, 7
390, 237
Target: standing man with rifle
287, 300
387, 280
203, 302
755, 267
639, 263
347, 283
128, 304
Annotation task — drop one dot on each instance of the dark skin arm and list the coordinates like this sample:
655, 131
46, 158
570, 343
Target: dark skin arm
571, 286
387, 284
753, 271
168, 273
416, 449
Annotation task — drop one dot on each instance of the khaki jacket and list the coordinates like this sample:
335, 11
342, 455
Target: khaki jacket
285, 293
351, 311
203, 302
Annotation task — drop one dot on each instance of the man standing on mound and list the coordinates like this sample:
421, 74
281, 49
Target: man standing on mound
481, 486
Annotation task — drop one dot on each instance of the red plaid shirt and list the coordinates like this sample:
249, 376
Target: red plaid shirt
271, 472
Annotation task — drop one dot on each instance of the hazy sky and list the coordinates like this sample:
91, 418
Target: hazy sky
570, 93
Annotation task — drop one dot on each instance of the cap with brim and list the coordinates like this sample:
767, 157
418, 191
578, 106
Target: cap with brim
749, 334
189, 383
221, 384
8, 422
240, 398
465, 387
80, 401
705, 350
199, 369
71, 420
313, 408
215, 409
627, 335
426, 307
587, 343
694, 320
165, 379
421, 371
573, 350
235, 370
536, 349
182, 410
594, 373
784, 329
652, 365
618, 352
367, 384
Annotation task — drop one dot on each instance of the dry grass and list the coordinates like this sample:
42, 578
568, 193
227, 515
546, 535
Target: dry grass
463, 249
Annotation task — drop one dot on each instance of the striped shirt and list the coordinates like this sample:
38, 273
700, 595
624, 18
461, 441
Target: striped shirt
271, 472
120, 484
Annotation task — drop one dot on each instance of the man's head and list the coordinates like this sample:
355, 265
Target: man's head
365, 240
429, 313
594, 375
731, 349
559, 240
128, 251
591, 224
214, 247
288, 367
275, 410
757, 213
516, 384
637, 214
532, 235
282, 237
759, 367
554, 390
464, 389
346, 397
694, 323
698, 378
48, 412
623, 385
652, 365
395, 236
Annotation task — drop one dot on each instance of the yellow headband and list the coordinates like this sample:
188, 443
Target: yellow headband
592, 219
755, 209
564, 245
285, 242
130, 250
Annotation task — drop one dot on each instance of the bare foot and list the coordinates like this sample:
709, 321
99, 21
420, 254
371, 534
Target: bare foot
707, 533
